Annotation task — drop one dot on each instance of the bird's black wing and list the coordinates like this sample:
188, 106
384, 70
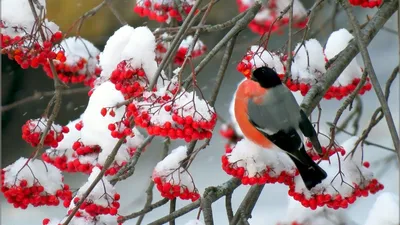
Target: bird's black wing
308, 130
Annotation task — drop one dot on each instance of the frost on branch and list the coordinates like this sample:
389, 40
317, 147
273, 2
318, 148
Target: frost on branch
20, 36
328, 149
308, 66
257, 57
198, 49
32, 131
128, 60
102, 200
181, 115
266, 19
347, 180
298, 215
172, 180
385, 211
162, 11
33, 182
255, 165
80, 64
351, 75
366, 3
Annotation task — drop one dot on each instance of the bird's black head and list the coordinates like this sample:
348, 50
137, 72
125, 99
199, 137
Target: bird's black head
266, 77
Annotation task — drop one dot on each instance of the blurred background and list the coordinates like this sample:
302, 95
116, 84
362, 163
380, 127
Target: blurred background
18, 84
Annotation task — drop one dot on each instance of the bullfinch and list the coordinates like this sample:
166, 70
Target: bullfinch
268, 114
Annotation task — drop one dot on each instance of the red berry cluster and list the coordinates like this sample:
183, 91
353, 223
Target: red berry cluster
335, 201
182, 51
131, 82
180, 128
262, 178
228, 133
21, 195
245, 66
27, 51
268, 25
67, 164
161, 49
325, 152
160, 12
120, 129
366, 3
73, 73
31, 133
81, 149
172, 191
92, 209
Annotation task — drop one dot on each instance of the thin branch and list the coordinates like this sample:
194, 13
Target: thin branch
172, 208
343, 59
211, 193
207, 211
289, 48
374, 79
248, 203
149, 200
115, 12
145, 210
228, 207
40, 95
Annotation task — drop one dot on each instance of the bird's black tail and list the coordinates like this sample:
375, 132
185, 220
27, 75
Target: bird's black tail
309, 171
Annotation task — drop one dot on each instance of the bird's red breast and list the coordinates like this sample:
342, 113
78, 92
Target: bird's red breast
249, 90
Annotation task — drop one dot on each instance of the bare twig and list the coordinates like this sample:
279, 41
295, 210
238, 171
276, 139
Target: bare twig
40, 95
207, 211
374, 79
228, 207
115, 12
172, 208
149, 200
289, 48
145, 210
247, 205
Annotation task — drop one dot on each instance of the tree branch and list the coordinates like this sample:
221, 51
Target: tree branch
374, 79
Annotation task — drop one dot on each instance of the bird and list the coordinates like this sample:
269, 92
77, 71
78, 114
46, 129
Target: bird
269, 115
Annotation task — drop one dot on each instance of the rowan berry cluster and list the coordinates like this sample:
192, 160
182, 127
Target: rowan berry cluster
32, 131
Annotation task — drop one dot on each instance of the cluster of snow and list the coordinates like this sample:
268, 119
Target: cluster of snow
134, 45
194, 222
320, 216
18, 14
170, 170
385, 211
308, 62
256, 160
351, 167
35, 172
40, 124
336, 43
77, 49
100, 195
260, 57
100, 219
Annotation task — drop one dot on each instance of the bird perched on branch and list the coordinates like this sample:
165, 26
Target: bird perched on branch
268, 114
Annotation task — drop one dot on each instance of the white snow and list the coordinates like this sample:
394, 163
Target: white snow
77, 48
385, 211
298, 9
309, 62
255, 159
40, 124
46, 174
336, 43
262, 57
232, 114
102, 192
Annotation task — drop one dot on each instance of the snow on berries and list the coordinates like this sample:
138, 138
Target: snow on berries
366, 3
102, 200
162, 11
199, 49
33, 182
328, 149
84, 220
20, 36
256, 57
32, 131
79, 64
182, 115
296, 214
172, 180
344, 184
266, 19
255, 165
385, 210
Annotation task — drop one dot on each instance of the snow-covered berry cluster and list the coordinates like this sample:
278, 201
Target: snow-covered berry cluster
102, 200
198, 50
347, 180
32, 131
267, 19
172, 180
21, 37
308, 66
79, 64
255, 165
85, 220
162, 11
33, 182
328, 148
366, 3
